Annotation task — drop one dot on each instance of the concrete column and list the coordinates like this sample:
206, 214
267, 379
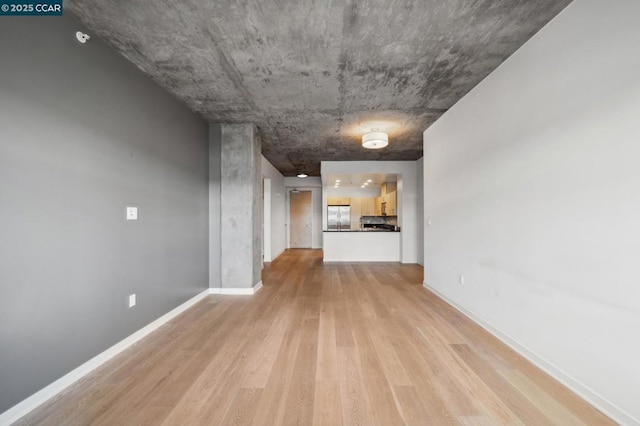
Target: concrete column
215, 144
240, 206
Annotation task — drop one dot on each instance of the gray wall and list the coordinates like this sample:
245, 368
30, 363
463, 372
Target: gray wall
531, 182
83, 134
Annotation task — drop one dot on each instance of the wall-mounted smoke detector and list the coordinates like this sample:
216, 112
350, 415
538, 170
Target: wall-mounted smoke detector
82, 37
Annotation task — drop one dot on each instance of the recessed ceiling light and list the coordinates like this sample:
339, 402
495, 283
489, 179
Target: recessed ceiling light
302, 175
369, 180
375, 139
366, 183
362, 186
337, 180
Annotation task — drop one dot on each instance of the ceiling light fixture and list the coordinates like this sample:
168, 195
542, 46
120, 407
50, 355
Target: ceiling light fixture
369, 180
375, 139
337, 180
82, 37
302, 175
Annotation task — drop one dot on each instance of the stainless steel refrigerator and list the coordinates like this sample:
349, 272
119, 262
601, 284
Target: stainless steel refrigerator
338, 218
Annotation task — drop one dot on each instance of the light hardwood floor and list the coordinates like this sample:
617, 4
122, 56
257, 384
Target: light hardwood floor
353, 344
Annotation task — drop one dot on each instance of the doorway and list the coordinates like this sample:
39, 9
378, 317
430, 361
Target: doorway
300, 219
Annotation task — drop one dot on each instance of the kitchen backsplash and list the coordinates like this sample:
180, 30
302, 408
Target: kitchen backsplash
379, 220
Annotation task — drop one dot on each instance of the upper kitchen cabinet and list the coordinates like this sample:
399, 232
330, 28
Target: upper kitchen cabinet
388, 197
388, 187
386, 205
339, 201
367, 207
377, 206
391, 204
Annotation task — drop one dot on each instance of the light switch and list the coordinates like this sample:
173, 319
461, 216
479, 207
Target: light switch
132, 300
132, 213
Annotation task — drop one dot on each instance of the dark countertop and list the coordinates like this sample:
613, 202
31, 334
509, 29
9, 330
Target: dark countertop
361, 230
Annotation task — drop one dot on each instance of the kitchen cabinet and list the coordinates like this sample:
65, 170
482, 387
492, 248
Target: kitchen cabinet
392, 204
367, 207
338, 201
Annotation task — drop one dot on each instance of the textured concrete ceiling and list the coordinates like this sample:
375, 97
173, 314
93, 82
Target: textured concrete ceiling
314, 75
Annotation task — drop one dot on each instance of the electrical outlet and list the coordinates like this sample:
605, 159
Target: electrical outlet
132, 213
132, 300
461, 279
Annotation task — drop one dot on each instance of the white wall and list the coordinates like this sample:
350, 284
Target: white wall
533, 187
314, 185
420, 208
406, 196
278, 192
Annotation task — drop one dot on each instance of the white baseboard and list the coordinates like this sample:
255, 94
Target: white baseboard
23, 408
237, 291
608, 408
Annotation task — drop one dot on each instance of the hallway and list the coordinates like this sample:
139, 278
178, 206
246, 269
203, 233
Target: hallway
352, 343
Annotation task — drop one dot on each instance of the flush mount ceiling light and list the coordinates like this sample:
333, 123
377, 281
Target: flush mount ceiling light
375, 139
302, 175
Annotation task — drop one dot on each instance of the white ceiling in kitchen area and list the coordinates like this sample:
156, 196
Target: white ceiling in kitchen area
357, 180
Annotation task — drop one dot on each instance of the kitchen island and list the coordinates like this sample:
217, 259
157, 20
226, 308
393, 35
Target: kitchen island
356, 245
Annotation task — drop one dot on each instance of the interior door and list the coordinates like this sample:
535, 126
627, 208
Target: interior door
300, 218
